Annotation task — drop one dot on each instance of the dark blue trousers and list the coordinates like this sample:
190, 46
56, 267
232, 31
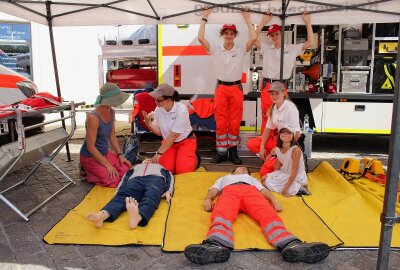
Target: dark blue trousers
147, 190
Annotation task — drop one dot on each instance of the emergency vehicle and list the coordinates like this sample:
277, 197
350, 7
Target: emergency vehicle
363, 104
15, 87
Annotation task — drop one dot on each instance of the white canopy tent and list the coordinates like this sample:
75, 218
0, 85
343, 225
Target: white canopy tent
144, 12
125, 12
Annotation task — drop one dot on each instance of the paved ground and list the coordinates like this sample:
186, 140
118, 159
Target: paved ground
21, 245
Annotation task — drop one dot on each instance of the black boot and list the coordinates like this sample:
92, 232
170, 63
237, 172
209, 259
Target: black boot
207, 252
233, 155
219, 157
298, 251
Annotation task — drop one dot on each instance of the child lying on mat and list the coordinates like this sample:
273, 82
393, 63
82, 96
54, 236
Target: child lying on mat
290, 175
239, 192
139, 193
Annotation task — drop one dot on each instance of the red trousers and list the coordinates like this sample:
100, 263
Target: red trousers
180, 157
254, 144
247, 199
97, 173
228, 115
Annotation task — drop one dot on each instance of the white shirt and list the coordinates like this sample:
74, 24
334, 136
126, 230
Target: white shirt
228, 65
235, 178
272, 59
176, 120
287, 114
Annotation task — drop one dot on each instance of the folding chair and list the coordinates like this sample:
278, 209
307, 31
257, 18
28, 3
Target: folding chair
41, 147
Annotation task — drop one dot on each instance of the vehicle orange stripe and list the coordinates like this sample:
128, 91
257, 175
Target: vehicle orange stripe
184, 50
9, 81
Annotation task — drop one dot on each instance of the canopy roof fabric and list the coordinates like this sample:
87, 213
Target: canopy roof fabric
130, 12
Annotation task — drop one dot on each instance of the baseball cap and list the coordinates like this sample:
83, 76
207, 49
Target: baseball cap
273, 28
276, 86
288, 127
229, 26
163, 90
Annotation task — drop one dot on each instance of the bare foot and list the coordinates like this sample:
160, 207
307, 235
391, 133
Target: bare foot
97, 218
133, 212
277, 205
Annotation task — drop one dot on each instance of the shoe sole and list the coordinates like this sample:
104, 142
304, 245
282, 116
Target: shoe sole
201, 255
312, 254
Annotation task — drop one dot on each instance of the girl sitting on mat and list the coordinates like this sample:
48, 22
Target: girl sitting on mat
289, 175
139, 193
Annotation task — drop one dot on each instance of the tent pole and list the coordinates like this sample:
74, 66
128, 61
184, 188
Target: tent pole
53, 52
283, 18
388, 216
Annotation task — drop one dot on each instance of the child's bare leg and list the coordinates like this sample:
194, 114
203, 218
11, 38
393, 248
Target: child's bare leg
133, 212
98, 218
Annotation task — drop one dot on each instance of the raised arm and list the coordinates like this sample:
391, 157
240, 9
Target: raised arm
204, 42
252, 33
310, 34
266, 18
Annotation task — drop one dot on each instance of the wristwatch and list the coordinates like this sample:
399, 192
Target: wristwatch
158, 153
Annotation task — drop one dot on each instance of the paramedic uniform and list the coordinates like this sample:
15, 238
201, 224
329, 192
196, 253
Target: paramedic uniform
270, 73
228, 67
286, 115
241, 193
181, 156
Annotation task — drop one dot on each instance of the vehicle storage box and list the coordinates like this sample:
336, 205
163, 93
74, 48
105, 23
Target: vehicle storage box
355, 52
354, 81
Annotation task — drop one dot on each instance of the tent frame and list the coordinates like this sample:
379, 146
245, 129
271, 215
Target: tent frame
388, 216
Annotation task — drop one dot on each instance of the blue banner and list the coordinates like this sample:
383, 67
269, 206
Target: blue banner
15, 31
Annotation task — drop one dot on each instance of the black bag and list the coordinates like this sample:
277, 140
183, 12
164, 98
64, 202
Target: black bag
131, 148
384, 74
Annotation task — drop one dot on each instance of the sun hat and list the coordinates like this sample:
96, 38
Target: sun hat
276, 86
229, 26
273, 28
111, 95
163, 90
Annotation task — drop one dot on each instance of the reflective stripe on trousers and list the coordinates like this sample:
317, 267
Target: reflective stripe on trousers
246, 199
228, 114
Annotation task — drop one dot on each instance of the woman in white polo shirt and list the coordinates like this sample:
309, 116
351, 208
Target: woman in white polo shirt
282, 113
177, 152
271, 64
228, 60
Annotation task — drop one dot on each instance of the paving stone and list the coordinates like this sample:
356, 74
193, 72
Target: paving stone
72, 263
247, 260
105, 261
6, 252
35, 260
91, 250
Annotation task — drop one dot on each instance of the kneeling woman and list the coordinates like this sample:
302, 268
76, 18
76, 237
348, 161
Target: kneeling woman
177, 152
104, 167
